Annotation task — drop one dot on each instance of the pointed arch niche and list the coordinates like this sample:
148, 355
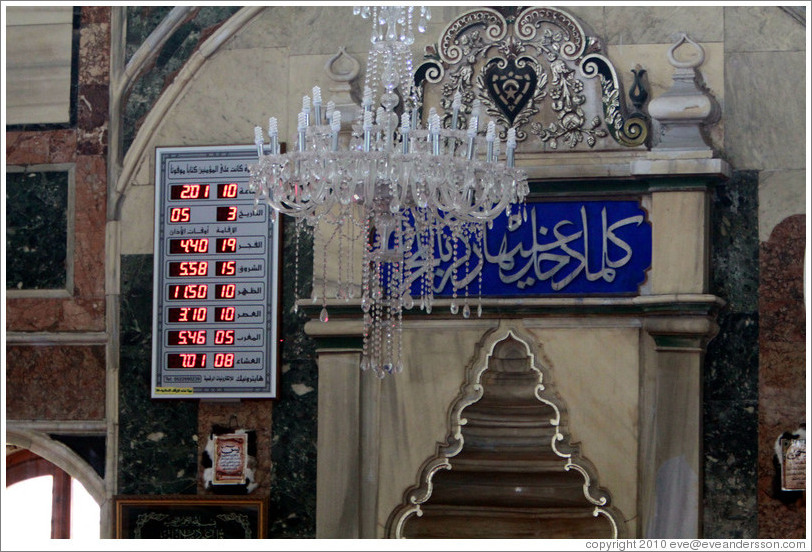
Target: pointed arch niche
508, 468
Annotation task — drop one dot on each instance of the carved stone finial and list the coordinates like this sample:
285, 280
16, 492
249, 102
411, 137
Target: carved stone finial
342, 68
682, 110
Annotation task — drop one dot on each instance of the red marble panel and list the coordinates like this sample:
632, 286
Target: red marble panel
94, 41
36, 148
91, 119
55, 383
95, 14
86, 309
782, 371
249, 414
89, 226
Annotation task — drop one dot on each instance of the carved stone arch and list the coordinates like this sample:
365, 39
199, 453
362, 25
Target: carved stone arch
507, 468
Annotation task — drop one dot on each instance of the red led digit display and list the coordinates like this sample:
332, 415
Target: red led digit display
224, 360
186, 360
224, 314
225, 191
192, 246
225, 291
188, 314
188, 268
180, 214
193, 292
226, 268
227, 213
226, 245
189, 191
224, 337
186, 337
216, 259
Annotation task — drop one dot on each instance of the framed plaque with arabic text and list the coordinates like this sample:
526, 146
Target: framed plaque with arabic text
190, 517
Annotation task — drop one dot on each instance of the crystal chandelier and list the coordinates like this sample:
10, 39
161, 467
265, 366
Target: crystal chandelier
408, 190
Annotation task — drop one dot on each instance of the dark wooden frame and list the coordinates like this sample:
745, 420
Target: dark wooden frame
127, 506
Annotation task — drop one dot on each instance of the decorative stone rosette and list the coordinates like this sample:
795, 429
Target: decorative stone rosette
535, 70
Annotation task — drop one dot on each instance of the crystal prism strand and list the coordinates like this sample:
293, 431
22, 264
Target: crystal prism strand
377, 332
391, 298
339, 284
296, 247
481, 240
366, 289
466, 310
399, 333
454, 280
366, 298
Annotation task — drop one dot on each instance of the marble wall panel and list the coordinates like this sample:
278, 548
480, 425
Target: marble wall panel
39, 148
33, 374
84, 311
94, 51
781, 193
174, 53
764, 135
138, 221
730, 397
761, 29
679, 265
782, 376
157, 438
37, 229
658, 24
234, 91
292, 503
326, 28
89, 226
415, 404
596, 372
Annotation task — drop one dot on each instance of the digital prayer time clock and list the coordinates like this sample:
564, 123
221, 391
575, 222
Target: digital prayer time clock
215, 312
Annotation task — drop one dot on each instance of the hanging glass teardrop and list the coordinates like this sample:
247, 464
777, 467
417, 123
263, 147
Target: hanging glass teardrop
324, 317
454, 308
466, 311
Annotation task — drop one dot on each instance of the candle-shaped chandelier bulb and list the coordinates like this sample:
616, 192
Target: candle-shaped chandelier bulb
273, 134
317, 105
306, 109
511, 147
258, 140
490, 136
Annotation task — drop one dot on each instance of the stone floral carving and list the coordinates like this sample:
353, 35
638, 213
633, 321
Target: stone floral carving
535, 70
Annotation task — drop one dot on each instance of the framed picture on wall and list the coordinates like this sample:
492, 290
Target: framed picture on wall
190, 517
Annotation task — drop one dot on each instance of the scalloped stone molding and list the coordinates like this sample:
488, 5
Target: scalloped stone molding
507, 468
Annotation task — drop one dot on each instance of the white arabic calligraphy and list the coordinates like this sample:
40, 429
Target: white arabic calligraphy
524, 265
